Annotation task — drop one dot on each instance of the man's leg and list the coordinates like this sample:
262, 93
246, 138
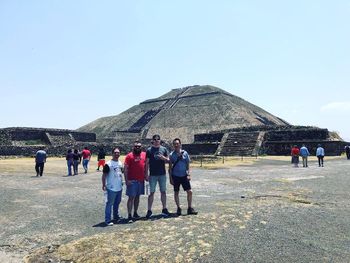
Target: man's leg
108, 209
117, 201
130, 204
189, 198
41, 168
176, 198
136, 206
37, 169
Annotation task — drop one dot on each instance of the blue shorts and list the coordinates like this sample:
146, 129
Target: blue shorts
161, 179
136, 188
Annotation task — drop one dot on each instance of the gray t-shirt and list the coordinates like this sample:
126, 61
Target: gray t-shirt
156, 165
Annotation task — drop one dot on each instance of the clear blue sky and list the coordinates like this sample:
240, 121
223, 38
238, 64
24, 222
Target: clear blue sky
66, 63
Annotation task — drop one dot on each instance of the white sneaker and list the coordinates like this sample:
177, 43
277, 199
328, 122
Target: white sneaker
109, 224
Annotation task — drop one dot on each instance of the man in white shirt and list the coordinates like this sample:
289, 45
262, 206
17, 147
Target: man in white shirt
112, 184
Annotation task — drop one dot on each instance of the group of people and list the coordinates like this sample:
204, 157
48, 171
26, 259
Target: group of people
304, 153
150, 166
74, 158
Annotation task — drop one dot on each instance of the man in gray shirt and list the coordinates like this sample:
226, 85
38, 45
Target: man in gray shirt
40, 159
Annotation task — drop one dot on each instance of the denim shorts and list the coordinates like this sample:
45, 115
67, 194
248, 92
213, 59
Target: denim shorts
161, 179
136, 188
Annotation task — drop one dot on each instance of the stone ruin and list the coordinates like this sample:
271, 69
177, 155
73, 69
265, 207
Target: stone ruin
265, 140
23, 141
209, 121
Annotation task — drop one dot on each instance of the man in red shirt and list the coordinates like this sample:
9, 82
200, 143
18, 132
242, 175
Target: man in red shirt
295, 155
134, 172
86, 154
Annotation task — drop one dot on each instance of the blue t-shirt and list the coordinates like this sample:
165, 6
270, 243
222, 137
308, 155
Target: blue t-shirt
40, 156
181, 166
156, 165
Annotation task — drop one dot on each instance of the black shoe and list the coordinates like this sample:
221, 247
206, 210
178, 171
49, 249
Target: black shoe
191, 211
149, 214
130, 219
165, 212
136, 215
178, 212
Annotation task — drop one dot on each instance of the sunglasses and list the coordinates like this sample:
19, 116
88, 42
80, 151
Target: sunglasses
156, 139
116, 152
137, 146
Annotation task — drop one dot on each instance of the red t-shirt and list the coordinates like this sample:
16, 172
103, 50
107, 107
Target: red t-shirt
136, 166
86, 154
295, 151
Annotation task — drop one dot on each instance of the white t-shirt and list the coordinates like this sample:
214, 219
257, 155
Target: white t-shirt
114, 177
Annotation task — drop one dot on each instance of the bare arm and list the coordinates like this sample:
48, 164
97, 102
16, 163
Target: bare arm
104, 175
126, 169
146, 169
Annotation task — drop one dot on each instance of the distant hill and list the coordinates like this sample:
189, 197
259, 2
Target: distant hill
182, 113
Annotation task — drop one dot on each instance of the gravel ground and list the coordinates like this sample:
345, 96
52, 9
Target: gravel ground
265, 212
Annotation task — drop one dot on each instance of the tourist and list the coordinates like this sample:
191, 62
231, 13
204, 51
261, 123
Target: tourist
76, 161
134, 173
112, 185
320, 155
86, 154
295, 155
156, 157
70, 161
101, 158
304, 153
179, 174
347, 151
40, 160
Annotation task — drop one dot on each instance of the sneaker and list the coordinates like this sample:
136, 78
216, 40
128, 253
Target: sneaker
136, 215
109, 223
149, 214
165, 212
130, 219
178, 212
191, 211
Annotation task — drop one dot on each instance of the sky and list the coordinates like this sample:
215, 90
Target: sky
66, 63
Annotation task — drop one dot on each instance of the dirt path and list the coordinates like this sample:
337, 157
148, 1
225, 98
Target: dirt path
59, 218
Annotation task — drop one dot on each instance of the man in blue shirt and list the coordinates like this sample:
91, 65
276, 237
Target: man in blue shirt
179, 174
320, 155
304, 153
40, 159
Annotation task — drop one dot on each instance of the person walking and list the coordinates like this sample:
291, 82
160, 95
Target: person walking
304, 152
156, 157
134, 173
40, 160
86, 155
112, 186
76, 161
179, 174
320, 155
101, 156
70, 161
295, 155
347, 151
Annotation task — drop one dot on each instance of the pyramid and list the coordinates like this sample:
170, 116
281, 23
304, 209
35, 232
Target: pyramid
182, 113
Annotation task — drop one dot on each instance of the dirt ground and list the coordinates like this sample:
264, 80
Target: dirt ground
258, 210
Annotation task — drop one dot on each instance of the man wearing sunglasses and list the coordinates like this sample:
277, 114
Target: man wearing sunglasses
134, 173
156, 157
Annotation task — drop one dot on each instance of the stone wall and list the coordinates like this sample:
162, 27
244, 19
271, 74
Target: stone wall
332, 148
26, 141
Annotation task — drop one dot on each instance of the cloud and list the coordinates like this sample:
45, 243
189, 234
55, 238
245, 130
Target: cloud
336, 107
